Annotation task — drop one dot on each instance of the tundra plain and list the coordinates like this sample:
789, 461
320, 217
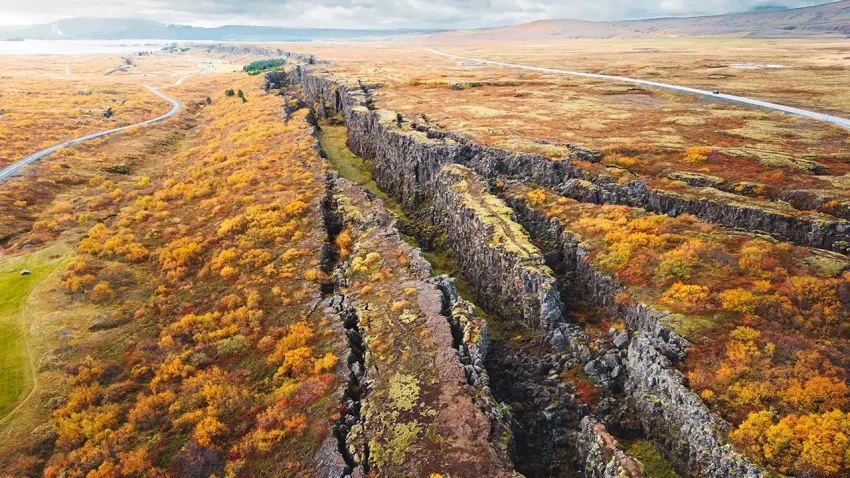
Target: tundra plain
366, 259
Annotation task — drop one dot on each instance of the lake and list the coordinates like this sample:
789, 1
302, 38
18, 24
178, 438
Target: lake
81, 47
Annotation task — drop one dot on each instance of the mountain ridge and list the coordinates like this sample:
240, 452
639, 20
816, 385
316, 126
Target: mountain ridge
829, 19
92, 28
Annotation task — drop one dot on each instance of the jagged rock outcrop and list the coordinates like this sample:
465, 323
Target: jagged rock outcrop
274, 80
600, 287
470, 332
675, 417
513, 279
410, 385
601, 456
672, 415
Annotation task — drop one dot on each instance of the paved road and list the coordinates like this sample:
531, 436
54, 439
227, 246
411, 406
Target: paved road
843, 122
15, 168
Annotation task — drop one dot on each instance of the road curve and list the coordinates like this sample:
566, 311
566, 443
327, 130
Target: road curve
14, 168
843, 122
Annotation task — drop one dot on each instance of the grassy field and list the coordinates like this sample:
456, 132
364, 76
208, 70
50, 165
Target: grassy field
15, 371
350, 166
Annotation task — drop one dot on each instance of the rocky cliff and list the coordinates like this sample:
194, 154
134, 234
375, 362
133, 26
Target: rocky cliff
512, 279
410, 165
676, 419
381, 134
672, 415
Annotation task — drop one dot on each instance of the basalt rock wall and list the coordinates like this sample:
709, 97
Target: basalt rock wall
417, 152
671, 414
677, 420
509, 274
409, 164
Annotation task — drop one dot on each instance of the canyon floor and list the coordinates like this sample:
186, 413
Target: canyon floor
374, 260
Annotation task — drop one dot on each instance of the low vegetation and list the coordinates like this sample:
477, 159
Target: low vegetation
768, 321
259, 66
239, 377
645, 134
204, 297
36, 115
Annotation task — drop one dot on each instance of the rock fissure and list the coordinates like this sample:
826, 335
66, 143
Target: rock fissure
672, 415
354, 362
480, 232
377, 132
430, 392
417, 166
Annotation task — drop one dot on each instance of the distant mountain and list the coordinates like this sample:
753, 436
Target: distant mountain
767, 8
831, 19
133, 29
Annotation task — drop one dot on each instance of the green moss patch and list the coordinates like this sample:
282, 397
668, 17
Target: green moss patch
652, 464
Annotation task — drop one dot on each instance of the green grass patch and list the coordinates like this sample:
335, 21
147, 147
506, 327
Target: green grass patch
334, 139
15, 376
651, 462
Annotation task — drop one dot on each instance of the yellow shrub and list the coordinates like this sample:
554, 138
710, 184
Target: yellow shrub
697, 154
538, 196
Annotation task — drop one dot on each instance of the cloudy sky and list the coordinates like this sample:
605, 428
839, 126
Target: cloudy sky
371, 13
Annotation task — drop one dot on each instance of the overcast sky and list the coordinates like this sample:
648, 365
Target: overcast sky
370, 13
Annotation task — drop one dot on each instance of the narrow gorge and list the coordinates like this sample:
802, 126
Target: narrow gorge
579, 402
567, 393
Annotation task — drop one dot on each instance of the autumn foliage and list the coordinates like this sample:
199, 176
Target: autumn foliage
235, 370
768, 322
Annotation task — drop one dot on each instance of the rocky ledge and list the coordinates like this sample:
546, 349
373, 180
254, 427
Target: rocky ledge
419, 400
600, 454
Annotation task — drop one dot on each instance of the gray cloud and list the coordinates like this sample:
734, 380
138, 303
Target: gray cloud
372, 13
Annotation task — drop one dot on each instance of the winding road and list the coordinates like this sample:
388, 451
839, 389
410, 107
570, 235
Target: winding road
843, 122
15, 168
